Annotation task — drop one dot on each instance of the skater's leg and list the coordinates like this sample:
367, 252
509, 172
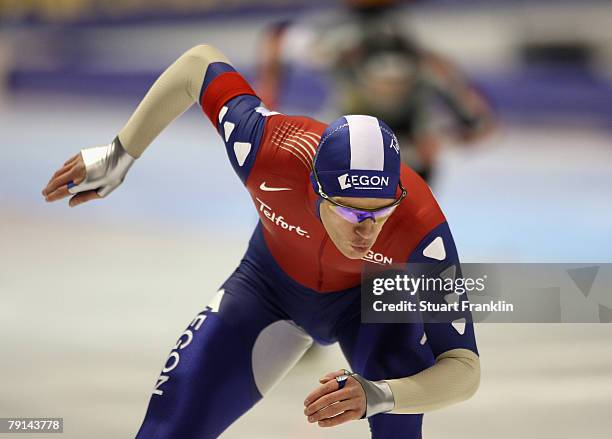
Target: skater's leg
221, 365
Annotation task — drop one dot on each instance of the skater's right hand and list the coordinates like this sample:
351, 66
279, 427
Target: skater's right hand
73, 171
92, 174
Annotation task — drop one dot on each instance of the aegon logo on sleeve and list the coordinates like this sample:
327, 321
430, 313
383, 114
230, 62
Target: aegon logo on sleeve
366, 182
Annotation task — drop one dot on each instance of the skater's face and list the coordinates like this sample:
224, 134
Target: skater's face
353, 239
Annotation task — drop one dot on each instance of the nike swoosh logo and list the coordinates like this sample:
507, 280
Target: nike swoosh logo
263, 187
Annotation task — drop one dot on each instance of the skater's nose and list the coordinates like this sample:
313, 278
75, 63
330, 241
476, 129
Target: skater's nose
365, 229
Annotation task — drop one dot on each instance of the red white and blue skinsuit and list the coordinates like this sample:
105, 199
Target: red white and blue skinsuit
293, 285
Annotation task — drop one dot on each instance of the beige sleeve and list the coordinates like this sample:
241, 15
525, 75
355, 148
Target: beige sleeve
174, 92
453, 378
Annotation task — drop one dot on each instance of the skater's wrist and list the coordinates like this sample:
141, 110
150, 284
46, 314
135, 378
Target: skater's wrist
379, 397
106, 167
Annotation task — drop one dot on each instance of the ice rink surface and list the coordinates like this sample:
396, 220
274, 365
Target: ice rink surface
93, 298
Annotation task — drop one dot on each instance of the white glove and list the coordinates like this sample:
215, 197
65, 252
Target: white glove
379, 398
105, 168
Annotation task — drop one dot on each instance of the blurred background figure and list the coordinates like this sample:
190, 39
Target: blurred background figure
537, 191
378, 68
5, 67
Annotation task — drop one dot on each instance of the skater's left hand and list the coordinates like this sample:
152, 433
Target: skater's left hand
330, 406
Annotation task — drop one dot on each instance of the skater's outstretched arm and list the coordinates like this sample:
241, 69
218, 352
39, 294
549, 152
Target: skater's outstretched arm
96, 172
177, 89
